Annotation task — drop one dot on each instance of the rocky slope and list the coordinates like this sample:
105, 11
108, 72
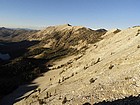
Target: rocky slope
61, 40
31, 57
107, 71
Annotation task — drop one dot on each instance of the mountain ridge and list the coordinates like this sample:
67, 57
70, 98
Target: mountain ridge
92, 66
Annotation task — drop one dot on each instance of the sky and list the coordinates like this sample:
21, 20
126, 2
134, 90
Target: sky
94, 14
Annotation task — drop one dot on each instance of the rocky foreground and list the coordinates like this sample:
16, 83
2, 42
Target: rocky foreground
104, 72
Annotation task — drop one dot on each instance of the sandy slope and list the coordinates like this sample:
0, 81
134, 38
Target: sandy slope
82, 78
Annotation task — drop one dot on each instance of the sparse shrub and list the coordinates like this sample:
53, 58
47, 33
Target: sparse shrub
92, 80
127, 78
59, 81
138, 33
35, 96
63, 79
67, 78
69, 62
112, 53
61, 72
41, 101
95, 46
85, 67
111, 66
116, 31
50, 94
64, 100
138, 46
60, 97
39, 90
55, 91
98, 60
72, 74
47, 95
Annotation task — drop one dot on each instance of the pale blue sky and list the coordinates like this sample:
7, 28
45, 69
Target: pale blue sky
90, 13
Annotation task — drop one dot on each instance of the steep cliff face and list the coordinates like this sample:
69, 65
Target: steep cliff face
108, 70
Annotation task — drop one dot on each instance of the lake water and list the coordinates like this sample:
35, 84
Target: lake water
4, 56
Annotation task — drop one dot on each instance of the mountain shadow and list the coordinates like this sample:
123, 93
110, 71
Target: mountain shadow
16, 49
131, 100
13, 98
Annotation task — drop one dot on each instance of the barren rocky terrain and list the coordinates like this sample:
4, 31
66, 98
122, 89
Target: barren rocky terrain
87, 67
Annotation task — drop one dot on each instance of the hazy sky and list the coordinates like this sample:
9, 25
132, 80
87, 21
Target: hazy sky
91, 13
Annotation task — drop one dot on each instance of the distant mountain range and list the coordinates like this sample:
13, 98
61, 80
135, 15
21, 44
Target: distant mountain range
15, 34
